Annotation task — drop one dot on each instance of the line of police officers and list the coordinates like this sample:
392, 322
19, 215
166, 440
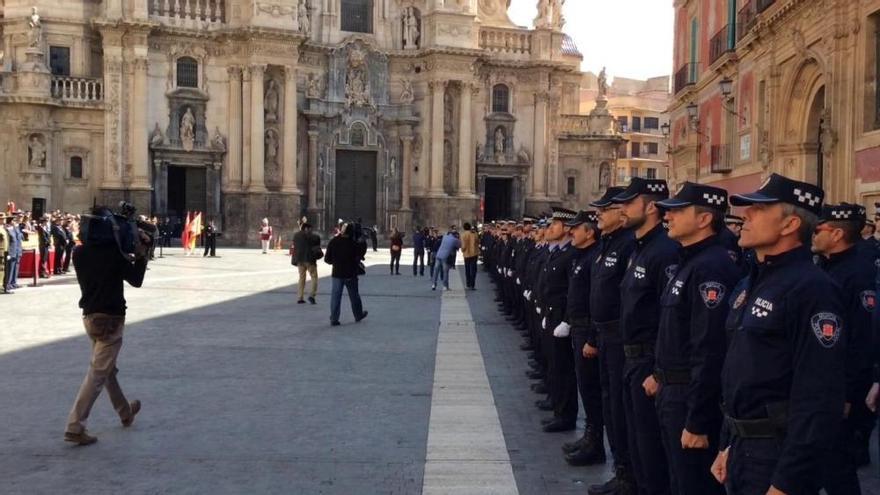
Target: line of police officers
710, 362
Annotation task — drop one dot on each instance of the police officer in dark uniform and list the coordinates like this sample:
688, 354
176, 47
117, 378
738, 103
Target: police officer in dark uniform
561, 379
650, 268
691, 341
835, 240
783, 376
590, 448
616, 246
210, 239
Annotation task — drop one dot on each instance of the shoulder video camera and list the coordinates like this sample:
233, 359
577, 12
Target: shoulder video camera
132, 237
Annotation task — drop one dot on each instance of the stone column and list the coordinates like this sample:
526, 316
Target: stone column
140, 153
435, 186
539, 172
246, 126
406, 169
257, 129
288, 171
465, 144
313, 170
234, 118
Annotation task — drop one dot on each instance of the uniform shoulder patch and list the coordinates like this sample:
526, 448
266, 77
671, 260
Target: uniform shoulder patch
713, 293
671, 271
826, 328
869, 300
740, 299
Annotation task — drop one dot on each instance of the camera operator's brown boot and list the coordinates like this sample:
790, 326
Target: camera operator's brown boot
79, 438
135, 407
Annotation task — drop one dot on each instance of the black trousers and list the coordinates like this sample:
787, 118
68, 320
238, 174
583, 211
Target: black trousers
750, 465
68, 251
562, 379
395, 261
611, 360
419, 262
210, 245
690, 468
643, 429
44, 261
470, 271
59, 258
588, 382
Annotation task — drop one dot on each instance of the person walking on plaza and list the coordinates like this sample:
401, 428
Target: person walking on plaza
345, 254
419, 241
101, 270
306, 253
396, 250
374, 237
265, 235
783, 376
470, 251
449, 245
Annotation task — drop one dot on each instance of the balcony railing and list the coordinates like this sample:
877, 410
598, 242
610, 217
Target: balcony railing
764, 5
77, 89
720, 159
745, 19
509, 41
189, 13
685, 76
719, 45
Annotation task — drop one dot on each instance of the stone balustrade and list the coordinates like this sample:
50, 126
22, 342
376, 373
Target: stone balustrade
506, 41
189, 13
77, 89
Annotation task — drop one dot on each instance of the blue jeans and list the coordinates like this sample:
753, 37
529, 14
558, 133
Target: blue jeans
10, 276
441, 271
351, 284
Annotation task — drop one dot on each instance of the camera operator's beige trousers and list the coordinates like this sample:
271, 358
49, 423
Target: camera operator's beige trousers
106, 334
312, 270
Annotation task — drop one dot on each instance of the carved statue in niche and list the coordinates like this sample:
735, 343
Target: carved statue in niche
828, 135
604, 175
305, 24
35, 33
480, 155
36, 152
157, 138
357, 87
314, 89
271, 147
392, 167
499, 142
411, 33
448, 166
406, 94
187, 130
218, 141
271, 103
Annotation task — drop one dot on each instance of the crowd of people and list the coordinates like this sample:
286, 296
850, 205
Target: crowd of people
716, 352
52, 237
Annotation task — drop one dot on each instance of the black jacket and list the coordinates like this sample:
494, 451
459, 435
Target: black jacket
345, 255
303, 247
100, 271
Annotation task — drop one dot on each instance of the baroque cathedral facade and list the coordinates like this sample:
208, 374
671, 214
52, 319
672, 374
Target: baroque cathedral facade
402, 113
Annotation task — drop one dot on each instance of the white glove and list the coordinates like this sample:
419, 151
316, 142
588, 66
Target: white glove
562, 330
528, 295
544, 323
518, 282
509, 272
538, 309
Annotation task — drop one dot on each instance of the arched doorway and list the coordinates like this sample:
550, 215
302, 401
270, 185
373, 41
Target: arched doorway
814, 169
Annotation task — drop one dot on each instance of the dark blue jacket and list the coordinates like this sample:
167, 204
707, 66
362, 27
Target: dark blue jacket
785, 327
691, 337
418, 242
651, 266
606, 274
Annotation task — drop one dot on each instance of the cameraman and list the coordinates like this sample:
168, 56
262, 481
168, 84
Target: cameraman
102, 263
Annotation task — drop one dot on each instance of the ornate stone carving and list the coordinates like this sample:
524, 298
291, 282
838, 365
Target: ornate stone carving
799, 43
37, 150
828, 134
523, 155
499, 143
549, 14
218, 142
454, 30
271, 102
305, 22
406, 94
480, 155
314, 87
187, 130
603, 83
357, 85
416, 151
604, 175
272, 170
157, 138
411, 29
35, 32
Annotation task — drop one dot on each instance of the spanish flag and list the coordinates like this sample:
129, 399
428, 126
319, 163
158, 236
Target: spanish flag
184, 236
195, 230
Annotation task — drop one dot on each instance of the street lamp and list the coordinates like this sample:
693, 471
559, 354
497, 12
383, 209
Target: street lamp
693, 111
726, 86
664, 129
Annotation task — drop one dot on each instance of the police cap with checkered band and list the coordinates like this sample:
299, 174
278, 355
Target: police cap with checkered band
605, 200
583, 217
691, 194
780, 189
563, 214
638, 185
844, 212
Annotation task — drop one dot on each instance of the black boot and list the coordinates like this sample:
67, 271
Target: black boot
570, 447
621, 484
591, 451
